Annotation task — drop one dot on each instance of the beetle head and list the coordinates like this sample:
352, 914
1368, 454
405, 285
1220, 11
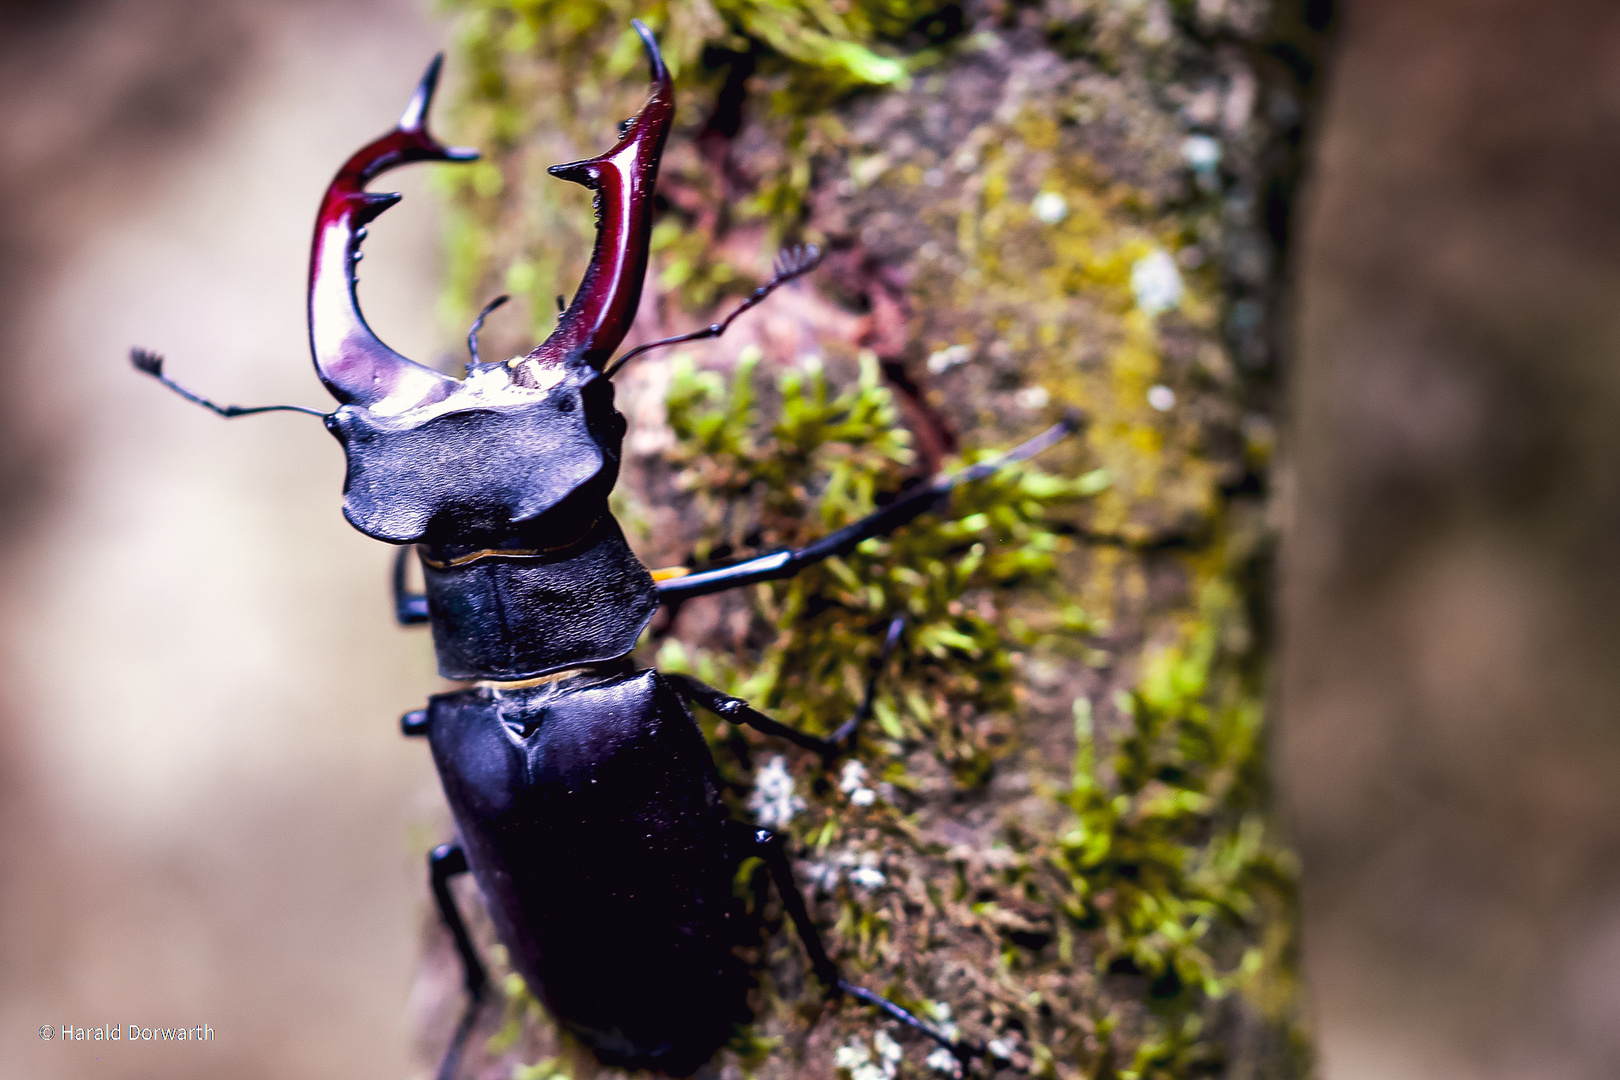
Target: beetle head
514, 450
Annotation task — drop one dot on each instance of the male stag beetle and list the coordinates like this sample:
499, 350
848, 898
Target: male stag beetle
583, 793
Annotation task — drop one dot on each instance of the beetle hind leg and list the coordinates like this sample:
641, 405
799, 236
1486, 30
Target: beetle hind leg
445, 862
773, 851
850, 729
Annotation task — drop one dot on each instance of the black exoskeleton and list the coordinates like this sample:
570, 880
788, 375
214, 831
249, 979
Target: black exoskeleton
582, 789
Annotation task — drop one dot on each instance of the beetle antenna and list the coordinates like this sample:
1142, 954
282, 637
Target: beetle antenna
478, 324
152, 364
791, 263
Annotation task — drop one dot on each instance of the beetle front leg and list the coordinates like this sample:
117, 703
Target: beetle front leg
679, 583
773, 852
445, 862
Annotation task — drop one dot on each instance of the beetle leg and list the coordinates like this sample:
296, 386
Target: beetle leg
409, 608
737, 710
773, 851
770, 848
445, 862
679, 584
850, 729
414, 724
842, 741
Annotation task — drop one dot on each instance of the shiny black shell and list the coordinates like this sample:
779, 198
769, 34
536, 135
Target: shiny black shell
517, 617
483, 465
590, 816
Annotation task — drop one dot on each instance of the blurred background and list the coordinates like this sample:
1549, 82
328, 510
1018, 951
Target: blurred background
1449, 723
206, 814
209, 815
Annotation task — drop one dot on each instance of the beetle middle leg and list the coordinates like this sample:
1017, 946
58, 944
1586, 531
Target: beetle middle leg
771, 849
445, 862
737, 710
850, 729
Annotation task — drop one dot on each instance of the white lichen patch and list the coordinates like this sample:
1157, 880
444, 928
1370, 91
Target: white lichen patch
774, 800
1201, 153
856, 1060
888, 1051
867, 877
880, 1061
1050, 207
852, 782
943, 360
1156, 283
1033, 397
860, 870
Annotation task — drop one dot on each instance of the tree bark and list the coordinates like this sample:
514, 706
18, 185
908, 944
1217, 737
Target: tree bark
1042, 208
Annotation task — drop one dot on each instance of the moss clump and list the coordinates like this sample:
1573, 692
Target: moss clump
1167, 869
517, 105
1121, 910
821, 463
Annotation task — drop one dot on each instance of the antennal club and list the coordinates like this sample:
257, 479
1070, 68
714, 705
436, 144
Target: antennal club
791, 263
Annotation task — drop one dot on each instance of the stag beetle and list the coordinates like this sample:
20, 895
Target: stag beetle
583, 792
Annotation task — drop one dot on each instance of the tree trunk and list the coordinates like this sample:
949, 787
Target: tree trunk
1026, 210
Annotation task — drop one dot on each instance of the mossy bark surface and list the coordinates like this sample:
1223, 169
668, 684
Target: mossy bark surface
1057, 834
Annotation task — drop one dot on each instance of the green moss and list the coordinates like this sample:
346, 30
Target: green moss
825, 47
1168, 866
807, 52
821, 464
1162, 866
